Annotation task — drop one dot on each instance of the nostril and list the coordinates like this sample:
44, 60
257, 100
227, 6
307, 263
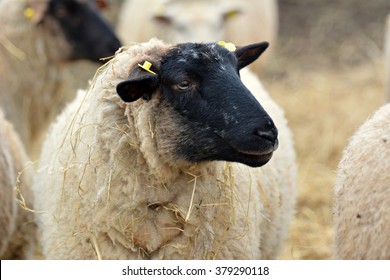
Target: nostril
269, 133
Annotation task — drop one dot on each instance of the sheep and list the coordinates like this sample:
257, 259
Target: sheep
17, 227
179, 21
362, 192
387, 56
36, 39
157, 161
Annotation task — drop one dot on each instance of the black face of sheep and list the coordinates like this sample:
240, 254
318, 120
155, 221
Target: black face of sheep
89, 35
217, 116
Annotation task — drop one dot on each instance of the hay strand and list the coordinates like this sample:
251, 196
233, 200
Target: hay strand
96, 248
192, 196
11, 48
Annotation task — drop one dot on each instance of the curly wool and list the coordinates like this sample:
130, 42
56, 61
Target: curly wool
362, 192
111, 192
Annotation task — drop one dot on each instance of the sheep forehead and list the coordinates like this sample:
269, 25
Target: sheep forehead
194, 12
211, 53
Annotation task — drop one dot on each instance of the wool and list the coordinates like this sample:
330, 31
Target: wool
362, 192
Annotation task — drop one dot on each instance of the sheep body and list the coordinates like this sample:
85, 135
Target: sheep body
108, 192
362, 192
178, 21
17, 228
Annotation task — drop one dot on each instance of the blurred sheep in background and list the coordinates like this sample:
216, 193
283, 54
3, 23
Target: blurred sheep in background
178, 21
36, 39
17, 226
387, 56
362, 192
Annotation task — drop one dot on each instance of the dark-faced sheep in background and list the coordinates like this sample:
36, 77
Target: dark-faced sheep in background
36, 38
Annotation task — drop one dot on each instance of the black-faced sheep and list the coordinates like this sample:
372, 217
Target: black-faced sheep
148, 163
17, 226
36, 38
362, 192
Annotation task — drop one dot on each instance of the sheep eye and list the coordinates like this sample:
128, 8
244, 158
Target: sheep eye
183, 85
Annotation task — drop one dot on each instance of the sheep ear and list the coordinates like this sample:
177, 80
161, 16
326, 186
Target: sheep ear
247, 54
138, 86
36, 10
231, 12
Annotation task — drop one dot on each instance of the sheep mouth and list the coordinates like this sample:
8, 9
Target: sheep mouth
252, 157
256, 156
260, 153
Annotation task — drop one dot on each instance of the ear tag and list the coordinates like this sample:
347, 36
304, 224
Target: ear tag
229, 46
146, 66
29, 13
231, 14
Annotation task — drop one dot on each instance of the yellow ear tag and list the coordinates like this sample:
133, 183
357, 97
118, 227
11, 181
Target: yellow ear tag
229, 46
231, 14
146, 66
29, 13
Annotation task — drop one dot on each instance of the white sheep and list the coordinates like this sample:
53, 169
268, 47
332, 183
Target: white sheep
362, 192
17, 227
387, 56
35, 42
156, 176
179, 21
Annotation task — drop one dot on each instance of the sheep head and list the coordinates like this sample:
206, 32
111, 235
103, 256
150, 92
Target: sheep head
205, 111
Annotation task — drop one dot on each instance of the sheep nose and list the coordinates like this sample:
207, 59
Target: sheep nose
268, 131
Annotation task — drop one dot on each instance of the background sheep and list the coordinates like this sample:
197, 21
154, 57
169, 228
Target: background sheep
362, 192
137, 179
17, 227
177, 21
36, 38
387, 56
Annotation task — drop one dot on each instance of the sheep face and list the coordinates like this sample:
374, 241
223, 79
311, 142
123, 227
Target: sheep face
204, 110
87, 35
205, 21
